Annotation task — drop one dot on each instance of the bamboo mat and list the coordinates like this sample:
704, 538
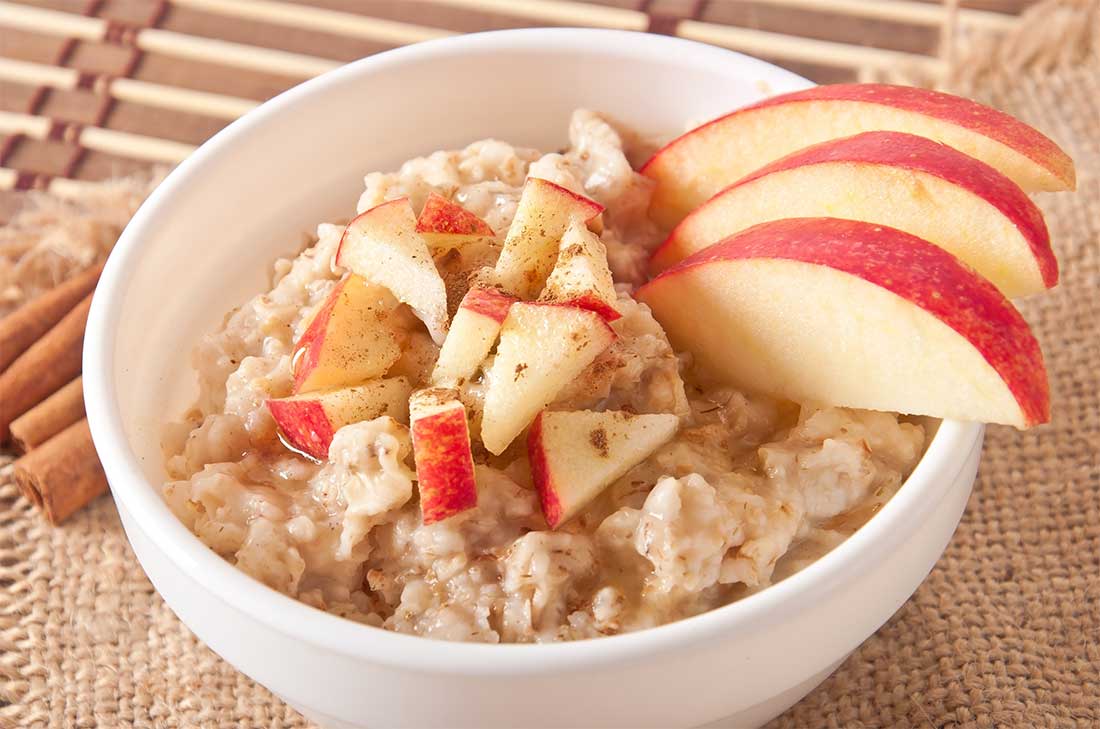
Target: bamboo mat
1005, 631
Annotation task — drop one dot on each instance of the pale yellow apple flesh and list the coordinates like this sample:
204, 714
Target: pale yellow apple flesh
382, 245
698, 164
542, 348
308, 422
473, 333
350, 339
543, 213
906, 182
441, 449
581, 275
852, 314
575, 455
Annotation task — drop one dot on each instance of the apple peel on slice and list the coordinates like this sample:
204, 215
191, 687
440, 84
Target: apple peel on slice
382, 245
349, 340
543, 213
542, 348
901, 180
442, 217
698, 164
575, 455
581, 275
441, 449
853, 314
473, 333
307, 422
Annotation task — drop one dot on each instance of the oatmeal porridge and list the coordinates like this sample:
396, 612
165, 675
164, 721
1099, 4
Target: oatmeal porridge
451, 418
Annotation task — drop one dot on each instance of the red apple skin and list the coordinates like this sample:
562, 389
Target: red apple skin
592, 208
441, 215
912, 152
488, 302
444, 464
540, 474
968, 114
912, 269
304, 425
595, 304
312, 341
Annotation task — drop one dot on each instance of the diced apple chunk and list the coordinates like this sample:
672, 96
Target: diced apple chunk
350, 339
441, 448
307, 422
542, 348
543, 213
382, 245
442, 217
473, 332
581, 275
576, 455
848, 313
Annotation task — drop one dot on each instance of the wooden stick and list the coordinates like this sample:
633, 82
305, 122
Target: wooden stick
26, 325
807, 50
47, 364
560, 12
323, 20
902, 11
123, 144
60, 186
170, 43
49, 417
63, 475
126, 89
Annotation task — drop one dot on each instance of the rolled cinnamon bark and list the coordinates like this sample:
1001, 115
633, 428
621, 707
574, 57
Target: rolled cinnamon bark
49, 417
63, 474
48, 364
24, 326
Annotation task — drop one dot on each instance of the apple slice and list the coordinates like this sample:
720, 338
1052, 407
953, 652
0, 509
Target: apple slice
698, 164
307, 422
441, 217
382, 245
542, 348
543, 213
581, 276
576, 455
907, 182
349, 340
441, 448
473, 332
849, 313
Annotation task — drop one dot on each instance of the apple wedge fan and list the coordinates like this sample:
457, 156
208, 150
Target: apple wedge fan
855, 245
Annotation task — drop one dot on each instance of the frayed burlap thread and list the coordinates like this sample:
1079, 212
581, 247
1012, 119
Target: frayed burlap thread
1004, 633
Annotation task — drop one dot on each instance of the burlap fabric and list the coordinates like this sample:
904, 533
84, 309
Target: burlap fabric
1005, 632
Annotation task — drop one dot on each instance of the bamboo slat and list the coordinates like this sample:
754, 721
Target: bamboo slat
319, 19
558, 12
807, 50
124, 144
170, 43
159, 96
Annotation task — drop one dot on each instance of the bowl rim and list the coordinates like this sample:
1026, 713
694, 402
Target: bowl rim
140, 498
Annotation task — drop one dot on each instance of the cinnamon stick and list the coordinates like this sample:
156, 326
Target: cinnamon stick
48, 364
63, 474
49, 417
24, 326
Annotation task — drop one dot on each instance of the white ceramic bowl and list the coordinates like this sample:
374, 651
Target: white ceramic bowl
203, 243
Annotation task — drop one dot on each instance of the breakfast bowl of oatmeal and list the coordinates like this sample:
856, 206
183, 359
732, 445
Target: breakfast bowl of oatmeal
434, 392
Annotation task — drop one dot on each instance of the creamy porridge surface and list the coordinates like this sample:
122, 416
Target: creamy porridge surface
750, 489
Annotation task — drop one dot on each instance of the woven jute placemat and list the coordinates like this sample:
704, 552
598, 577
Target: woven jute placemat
1005, 632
